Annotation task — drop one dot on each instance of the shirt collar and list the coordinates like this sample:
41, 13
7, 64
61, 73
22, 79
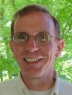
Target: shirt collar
56, 85
23, 89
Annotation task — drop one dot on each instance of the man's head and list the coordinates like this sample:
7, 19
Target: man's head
30, 8
35, 41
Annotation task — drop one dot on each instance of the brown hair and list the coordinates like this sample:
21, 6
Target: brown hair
34, 7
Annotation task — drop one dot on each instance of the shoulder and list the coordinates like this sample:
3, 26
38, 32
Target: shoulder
8, 86
8, 82
66, 84
65, 87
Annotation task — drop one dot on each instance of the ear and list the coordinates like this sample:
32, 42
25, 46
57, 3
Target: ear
11, 45
12, 48
60, 46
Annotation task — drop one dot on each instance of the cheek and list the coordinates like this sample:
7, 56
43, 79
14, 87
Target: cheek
48, 52
17, 51
45, 50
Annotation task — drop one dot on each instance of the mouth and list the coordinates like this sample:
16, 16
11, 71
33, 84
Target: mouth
32, 60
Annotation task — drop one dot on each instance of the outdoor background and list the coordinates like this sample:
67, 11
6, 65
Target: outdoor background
62, 10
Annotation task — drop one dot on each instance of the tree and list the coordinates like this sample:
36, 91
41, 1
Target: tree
62, 10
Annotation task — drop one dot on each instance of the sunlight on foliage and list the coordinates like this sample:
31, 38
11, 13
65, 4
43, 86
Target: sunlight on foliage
62, 10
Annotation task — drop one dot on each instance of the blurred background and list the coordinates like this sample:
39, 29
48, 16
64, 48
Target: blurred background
62, 10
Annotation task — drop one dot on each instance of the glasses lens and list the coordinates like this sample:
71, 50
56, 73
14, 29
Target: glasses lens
42, 38
20, 38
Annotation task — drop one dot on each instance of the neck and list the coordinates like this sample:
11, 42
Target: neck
39, 84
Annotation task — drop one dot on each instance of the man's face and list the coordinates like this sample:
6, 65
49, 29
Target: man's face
35, 60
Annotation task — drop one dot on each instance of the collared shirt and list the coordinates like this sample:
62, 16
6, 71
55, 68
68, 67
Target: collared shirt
17, 87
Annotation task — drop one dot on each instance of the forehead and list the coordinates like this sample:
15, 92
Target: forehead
34, 21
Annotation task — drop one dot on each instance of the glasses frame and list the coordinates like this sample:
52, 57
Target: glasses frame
12, 38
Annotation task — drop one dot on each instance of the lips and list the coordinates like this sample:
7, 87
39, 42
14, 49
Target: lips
32, 59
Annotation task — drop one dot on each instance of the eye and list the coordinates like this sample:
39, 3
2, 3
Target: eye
21, 37
42, 37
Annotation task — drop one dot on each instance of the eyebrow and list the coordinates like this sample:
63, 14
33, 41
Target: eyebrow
43, 31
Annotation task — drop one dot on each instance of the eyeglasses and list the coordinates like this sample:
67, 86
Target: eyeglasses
21, 38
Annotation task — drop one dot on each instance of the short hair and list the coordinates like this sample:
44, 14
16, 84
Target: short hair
34, 7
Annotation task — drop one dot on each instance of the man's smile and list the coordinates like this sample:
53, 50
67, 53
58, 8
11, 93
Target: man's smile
32, 59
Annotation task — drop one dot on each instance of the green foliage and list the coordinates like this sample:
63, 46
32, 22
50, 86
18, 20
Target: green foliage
61, 9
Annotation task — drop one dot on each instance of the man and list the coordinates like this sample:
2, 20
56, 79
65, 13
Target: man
35, 43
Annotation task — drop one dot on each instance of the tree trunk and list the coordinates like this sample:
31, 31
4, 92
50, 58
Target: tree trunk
1, 76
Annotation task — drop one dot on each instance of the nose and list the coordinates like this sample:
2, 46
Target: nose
31, 45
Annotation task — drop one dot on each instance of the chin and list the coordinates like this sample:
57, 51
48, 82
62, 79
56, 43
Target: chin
33, 74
